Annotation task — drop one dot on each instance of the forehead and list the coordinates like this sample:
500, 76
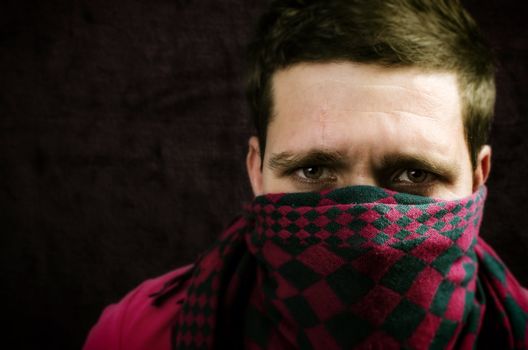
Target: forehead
341, 104
364, 87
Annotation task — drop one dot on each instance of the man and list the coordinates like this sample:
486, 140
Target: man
368, 171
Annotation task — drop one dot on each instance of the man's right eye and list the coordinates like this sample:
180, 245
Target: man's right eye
314, 175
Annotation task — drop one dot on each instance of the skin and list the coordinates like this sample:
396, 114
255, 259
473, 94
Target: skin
342, 124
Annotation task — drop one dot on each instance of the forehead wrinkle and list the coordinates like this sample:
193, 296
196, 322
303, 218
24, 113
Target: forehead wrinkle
411, 90
391, 113
361, 101
407, 85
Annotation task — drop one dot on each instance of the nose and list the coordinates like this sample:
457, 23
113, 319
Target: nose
357, 177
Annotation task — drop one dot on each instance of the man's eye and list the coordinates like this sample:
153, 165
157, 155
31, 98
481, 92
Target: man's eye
415, 176
314, 173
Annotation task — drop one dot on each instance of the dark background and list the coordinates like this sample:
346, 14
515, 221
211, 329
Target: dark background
123, 132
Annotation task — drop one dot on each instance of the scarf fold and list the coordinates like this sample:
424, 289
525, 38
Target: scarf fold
357, 267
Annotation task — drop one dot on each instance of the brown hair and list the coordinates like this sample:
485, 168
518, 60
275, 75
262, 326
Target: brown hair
430, 34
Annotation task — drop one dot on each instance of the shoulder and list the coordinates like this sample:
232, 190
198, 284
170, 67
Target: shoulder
134, 322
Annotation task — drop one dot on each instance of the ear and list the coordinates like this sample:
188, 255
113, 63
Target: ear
253, 162
481, 173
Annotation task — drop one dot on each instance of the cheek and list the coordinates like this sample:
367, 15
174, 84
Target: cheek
273, 184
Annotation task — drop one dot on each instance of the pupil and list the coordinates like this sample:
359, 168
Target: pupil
417, 175
312, 172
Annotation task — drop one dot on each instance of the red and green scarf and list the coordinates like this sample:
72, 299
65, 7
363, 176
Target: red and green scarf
358, 267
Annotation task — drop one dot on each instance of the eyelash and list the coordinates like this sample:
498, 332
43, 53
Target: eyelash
328, 180
392, 181
430, 176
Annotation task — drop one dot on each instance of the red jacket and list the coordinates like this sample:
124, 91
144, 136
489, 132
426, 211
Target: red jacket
134, 323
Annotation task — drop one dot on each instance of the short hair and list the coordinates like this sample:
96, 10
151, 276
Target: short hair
434, 35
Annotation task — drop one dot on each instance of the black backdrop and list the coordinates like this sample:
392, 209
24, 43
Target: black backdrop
123, 131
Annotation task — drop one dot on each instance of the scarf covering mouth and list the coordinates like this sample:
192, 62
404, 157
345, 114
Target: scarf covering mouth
358, 267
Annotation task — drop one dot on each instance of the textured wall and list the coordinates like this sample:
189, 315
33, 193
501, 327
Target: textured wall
123, 131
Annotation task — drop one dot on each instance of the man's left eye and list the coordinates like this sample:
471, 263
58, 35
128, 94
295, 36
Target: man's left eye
313, 173
415, 176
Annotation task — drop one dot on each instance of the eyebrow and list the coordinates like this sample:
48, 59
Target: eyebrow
284, 162
419, 161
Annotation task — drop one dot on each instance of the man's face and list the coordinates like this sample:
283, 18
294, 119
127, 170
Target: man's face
341, 124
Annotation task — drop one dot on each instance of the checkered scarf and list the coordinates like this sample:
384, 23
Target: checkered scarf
358, 267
